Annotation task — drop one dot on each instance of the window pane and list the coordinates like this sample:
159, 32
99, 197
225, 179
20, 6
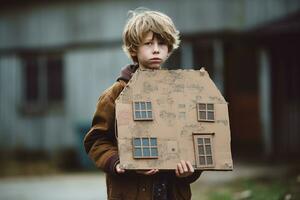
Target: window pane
209, 160
55, 84
143, 106
145, 142
210, 115
150, 114
202, 114
153, 142
31, 80
137, 115
137, 142
136, 106
200, 140
210, 106
154, 152
146, 152
202, 106
143, 114
207, 140
137, 152
204, 150
202, 160
149, 107
201, 150
207, 150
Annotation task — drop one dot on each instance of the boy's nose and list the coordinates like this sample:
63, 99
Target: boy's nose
155, 48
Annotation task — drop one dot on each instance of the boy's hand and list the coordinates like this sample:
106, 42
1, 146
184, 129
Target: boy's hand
148, 172
119, 170
184, 169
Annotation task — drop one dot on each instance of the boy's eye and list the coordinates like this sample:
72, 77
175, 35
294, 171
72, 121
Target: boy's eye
148, 43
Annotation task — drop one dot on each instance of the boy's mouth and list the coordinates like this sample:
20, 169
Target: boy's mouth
155, 59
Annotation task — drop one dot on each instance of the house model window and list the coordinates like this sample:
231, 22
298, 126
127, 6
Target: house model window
142, 110
145, 147
203, 147
206, 112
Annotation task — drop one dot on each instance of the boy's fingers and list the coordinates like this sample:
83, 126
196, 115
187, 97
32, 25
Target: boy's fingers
148, 172
190, 166
119, 170
183, 163
184, 168
151, 172
154, 171
180, 169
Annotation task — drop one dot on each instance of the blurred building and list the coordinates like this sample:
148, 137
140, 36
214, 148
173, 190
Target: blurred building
56, 58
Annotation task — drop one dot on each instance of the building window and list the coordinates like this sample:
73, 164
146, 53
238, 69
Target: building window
206, 112
43, 82
204, 150
142, 110
145, 147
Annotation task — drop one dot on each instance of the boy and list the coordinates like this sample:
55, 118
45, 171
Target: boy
149, 38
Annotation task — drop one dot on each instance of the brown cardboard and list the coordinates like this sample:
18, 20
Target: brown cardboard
173, 131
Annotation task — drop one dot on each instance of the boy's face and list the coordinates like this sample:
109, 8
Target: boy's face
152, 52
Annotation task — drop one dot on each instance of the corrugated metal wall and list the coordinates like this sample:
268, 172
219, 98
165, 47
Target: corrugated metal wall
22, 131
89, 73
9, 99
59, 24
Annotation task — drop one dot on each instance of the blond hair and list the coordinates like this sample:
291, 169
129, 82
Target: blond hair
141, 22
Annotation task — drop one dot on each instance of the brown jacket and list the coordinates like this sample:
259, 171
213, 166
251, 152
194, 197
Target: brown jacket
101, 145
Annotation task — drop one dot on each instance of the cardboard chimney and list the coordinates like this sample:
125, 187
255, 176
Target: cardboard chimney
164, 116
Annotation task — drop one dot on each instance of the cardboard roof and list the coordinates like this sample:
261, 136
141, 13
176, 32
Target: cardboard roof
173, 82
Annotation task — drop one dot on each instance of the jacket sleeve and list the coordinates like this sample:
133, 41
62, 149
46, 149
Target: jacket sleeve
100, 142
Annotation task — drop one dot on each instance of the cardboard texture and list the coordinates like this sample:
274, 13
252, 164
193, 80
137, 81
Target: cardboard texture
164, 116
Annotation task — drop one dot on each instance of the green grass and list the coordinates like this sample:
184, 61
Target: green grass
265, 190
220, 196
248, 189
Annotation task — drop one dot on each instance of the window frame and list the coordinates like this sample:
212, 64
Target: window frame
142, 147
206, 110
204, 136
146, 110
44, 100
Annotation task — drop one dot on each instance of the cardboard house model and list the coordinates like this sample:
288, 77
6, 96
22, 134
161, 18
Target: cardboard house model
164, 116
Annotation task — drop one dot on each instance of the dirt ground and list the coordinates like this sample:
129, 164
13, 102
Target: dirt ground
247, 181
